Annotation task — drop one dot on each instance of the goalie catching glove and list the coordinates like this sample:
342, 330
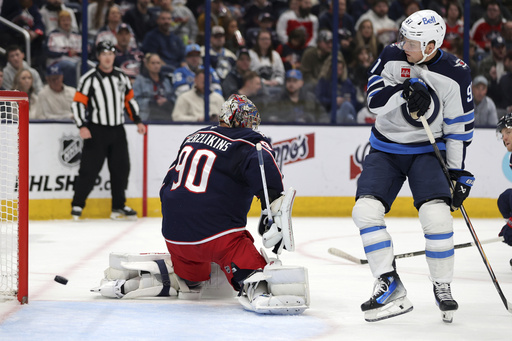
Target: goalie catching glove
416, 94
278, 233
462, 183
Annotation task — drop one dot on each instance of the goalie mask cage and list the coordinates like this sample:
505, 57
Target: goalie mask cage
14, 118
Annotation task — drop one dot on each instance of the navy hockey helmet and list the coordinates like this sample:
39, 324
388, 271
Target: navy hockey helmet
103, 46
504, 122
239, 112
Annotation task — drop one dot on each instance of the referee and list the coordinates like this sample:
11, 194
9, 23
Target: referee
98, 108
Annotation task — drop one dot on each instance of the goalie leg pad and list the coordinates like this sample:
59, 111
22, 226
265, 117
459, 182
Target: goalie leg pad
155, 278
277, 305
287, 280
111, 289
117, 270
276, 290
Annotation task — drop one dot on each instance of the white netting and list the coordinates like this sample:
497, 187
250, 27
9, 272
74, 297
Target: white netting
9, 158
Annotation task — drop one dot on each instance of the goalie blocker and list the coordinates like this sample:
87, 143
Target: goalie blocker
279, 235
276, 289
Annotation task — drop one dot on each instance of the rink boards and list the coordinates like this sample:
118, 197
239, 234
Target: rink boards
322, 162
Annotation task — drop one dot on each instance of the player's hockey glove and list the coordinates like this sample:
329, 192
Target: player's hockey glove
416, 94
506, 232
462, 181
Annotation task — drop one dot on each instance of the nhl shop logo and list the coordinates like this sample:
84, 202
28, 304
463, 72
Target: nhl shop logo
70, 151
405, 72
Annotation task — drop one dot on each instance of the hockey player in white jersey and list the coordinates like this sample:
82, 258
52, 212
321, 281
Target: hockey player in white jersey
413, 78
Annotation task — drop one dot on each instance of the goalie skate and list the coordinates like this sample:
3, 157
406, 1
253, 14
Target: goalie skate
388, 300
445, 301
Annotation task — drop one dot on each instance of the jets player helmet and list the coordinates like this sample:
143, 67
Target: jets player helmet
504, 122
239, 112
422, 27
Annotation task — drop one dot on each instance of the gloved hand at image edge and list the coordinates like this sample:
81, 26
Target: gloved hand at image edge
462, 181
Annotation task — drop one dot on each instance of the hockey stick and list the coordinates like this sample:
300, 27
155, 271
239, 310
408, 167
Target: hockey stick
264, 181
440, 159
265, 191
339, 253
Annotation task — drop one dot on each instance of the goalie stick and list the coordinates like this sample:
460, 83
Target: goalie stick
265, 191
342, 254
440, 159
264, 181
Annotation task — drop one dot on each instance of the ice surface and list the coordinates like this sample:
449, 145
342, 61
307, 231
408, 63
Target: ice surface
79, 252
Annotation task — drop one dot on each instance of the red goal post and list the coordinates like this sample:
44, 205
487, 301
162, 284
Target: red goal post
14, 119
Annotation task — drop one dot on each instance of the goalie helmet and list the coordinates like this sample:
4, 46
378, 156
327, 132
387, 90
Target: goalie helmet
423, 26
239, 112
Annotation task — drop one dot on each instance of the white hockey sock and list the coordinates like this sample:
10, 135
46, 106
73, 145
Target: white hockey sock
368, 215
437, 224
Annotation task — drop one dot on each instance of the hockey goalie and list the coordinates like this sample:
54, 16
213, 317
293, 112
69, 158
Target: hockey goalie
206, 196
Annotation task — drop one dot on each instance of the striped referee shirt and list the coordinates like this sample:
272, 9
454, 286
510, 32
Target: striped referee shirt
101, 97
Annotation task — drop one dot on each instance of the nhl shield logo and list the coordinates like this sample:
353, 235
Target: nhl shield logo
70, 150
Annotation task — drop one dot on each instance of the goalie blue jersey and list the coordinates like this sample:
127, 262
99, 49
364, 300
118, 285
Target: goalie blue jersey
450, 114
209, 188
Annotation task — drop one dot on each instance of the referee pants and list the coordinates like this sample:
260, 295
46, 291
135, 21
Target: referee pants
110, 143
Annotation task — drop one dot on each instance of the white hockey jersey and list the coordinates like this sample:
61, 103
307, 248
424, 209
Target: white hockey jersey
451, 111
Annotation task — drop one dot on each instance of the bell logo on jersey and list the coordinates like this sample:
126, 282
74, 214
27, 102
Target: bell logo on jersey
431, 20
405, 72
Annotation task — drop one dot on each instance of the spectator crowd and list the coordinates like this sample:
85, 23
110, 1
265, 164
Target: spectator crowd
278, 53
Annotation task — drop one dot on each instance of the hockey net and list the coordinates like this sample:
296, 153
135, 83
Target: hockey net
14, 196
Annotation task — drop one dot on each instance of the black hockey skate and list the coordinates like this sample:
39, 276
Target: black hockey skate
388, 300
126, 213
76, 212
445, 301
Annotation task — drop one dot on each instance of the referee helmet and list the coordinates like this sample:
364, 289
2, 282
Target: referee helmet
103, 46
